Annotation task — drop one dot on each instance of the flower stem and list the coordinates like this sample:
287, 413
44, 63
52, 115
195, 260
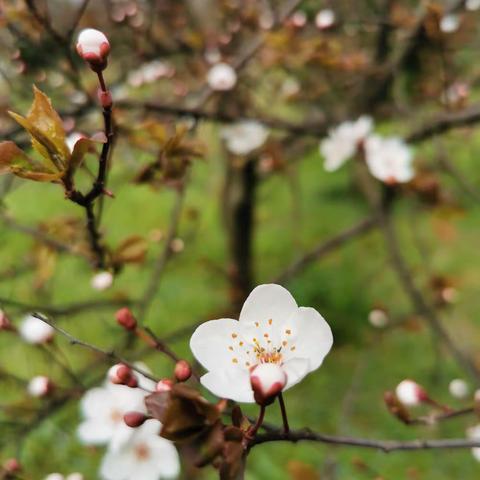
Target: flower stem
286, 428
261, 416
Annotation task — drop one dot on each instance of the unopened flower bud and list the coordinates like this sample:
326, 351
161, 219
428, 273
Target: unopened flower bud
221, 77
458, 388
120, 374
35, 331
12, 465
164, 385
267, 380
5, 323
105, 98
93, 47
182, 371
325, 19
40, 386
126, 319
102, 281
135, 419
395, 407
411, 393
132, 382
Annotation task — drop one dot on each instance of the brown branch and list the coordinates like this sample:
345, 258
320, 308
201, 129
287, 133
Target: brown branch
110, 354
68, 309
415, 295
386, 446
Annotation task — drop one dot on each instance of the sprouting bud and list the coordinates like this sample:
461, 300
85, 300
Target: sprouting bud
12, 465
164, 385
267, 380
135, 419
411, 393
40, 386
5, 323
120, 374
126, 319
102, 281
183, 371
93, 47
35, 331
105, 99
221, 77
458, 388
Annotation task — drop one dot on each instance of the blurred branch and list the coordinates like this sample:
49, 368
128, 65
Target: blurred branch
68, 309
382, 445
110, 354
326, 247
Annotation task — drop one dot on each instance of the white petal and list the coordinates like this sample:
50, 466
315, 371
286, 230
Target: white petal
314, 337
117, 466
210, 342
96, 403
296, 369
268, 302
233, 384
94, 432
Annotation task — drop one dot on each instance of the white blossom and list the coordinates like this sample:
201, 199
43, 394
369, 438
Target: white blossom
271, 329
221, 77
103, 409
244, 137
39, 386
145, 456
473, 433
458, 388
472, 5
35, 331
450, 23
102, 280
389, 159
343, 141
325, 19
378, 318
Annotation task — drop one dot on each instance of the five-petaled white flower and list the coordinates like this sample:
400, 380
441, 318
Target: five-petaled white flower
145, 456
221, 77
343, 141
272, 329
103, 409
244, 136
389, 159
35, 331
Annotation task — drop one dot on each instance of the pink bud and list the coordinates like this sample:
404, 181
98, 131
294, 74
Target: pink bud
132, 382
126, 319
267, 380
135, 419
93, 47
182, 371
164, 385
120, 374
411, 393
5, 323
105, 99
12, 465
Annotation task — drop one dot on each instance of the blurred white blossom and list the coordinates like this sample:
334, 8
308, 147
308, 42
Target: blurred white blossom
389, 159
244, 137
35, 331
343, 141
221, 77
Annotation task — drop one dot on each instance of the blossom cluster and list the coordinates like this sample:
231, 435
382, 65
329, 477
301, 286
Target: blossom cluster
389, 159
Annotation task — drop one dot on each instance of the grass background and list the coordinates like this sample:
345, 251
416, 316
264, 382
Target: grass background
345, 395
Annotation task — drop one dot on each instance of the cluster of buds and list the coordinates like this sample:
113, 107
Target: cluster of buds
121, 374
